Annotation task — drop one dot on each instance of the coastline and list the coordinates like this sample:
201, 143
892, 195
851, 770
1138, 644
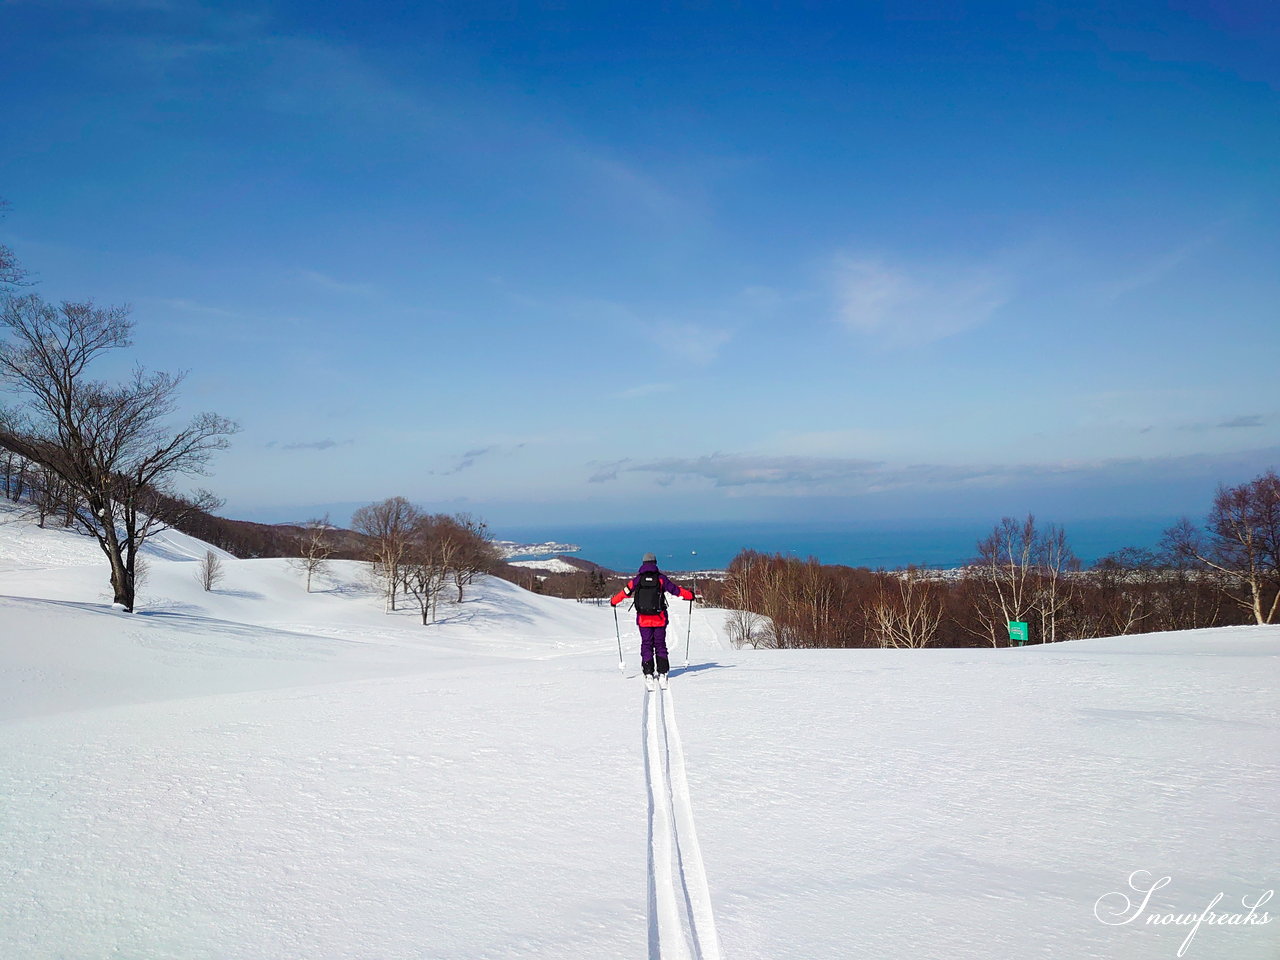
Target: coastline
709, 547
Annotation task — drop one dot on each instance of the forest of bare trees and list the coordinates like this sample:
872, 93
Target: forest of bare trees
1223, 572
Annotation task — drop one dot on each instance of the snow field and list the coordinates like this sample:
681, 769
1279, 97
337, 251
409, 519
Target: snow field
978, 804
404, 817
259, 772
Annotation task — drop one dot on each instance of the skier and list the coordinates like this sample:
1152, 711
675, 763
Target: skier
648, 588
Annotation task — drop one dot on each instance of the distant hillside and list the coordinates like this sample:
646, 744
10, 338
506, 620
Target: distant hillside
247, 539
587, 566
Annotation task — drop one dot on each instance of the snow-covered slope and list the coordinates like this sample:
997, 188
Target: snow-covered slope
262, 772
553, 565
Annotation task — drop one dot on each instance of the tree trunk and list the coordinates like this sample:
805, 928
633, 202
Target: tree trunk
122, 581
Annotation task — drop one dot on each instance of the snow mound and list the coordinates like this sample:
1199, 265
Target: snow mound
64, 647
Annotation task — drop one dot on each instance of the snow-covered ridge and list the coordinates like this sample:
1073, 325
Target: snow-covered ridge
552, 565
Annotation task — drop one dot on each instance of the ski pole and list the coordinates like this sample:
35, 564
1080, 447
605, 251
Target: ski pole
622, 664
688, 634
689, 630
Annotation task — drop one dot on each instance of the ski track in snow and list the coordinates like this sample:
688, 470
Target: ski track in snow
681, 923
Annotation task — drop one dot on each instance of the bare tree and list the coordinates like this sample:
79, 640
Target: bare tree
745, 629
441, 548
11, 274
109, 442
44, 492
316, 548
1241, 541
756, 590
743, 624
1021, 575
51, 496
210, 573
389, 524
475, 555
812, 603
1123, 585
433, 550
906, 610
1054, 590
1003, 571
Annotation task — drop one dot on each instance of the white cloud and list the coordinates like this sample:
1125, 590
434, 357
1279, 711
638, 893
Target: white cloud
693, 342
835, 476
191, 306
328, 283
326, 444
733, 470
1155, 269
904, 306
1244, 421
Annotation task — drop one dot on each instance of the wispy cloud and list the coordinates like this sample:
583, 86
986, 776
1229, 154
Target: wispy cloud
1156, 268
326, 444
730, 470
1249, 420
627, 184
208, 321
467, 460
191, 306
1242, 422
694, 342
305, 76
644, 390
827, 476
606, 470
694, 334
909, 305
328, 283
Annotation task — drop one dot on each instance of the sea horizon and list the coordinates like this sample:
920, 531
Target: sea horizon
711, 545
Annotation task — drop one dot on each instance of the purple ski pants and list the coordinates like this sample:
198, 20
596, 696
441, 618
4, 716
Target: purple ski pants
653, 640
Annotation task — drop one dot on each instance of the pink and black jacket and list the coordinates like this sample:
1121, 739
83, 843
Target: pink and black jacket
652, 619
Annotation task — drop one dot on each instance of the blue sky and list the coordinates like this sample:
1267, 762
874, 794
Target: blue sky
568, 262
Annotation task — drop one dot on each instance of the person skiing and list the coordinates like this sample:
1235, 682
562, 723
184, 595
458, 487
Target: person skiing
648, 589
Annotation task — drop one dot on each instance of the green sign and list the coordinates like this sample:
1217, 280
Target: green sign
1017, 631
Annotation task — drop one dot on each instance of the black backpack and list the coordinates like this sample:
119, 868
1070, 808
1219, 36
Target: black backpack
648, 595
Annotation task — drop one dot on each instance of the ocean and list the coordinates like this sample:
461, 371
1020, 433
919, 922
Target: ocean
711, 545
